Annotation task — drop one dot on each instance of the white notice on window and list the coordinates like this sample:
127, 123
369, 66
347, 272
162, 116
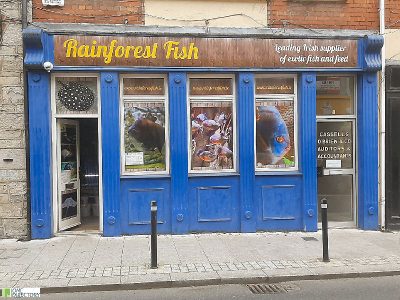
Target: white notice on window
53, 2
333, 163
133, 159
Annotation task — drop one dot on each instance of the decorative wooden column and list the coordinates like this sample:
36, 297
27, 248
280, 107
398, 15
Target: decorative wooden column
179, 152
245, 121
40, 154
110, 139
308, 149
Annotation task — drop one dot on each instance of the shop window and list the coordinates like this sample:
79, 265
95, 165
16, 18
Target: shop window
144, 126
335, 95
76, 95
212, 125
276, 119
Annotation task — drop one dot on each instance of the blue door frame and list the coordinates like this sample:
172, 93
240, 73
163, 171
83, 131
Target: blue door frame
242, 202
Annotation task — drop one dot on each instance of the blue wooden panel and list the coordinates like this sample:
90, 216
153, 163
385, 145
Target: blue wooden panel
246, 112
139, 203
136, 196
179, 152
40, 154
110, 152
208, 210
214, 204
367, 127
279, 201
308, 149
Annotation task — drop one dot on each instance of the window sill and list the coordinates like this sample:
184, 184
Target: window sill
213, 174
279, 173
145, 176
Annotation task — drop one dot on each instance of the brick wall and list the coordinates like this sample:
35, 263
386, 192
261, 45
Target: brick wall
392, 14
90, 11
346, 14
13, 187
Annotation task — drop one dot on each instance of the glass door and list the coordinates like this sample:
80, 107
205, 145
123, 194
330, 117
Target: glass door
68, 174
335, 161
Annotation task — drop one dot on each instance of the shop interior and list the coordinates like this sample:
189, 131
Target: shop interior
88, 175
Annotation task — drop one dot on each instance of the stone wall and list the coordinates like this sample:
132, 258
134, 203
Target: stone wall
13, 186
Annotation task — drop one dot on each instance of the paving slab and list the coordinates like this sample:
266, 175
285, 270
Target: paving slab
91, 262
148, 278
52, 254
94, 281
136, 250
81, 253
43, 283
108, 252
195, 276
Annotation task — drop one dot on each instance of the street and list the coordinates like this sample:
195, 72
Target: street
387, 288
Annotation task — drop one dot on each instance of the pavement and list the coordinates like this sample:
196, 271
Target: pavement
89, 262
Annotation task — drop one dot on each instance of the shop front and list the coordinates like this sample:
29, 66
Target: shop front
226, 134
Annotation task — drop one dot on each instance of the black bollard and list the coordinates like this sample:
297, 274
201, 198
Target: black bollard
153, 245
324, 217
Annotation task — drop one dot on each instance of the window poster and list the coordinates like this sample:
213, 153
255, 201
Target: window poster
144, 136
275, 146
211, 135
69, 204
68, 153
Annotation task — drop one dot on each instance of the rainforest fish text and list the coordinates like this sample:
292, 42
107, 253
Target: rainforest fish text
171, 50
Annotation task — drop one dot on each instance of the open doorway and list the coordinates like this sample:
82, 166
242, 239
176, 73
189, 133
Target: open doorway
78, 175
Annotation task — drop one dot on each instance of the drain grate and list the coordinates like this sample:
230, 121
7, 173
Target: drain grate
271, 288
309, 238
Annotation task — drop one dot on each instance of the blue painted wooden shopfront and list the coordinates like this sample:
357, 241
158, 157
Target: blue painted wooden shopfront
245, 201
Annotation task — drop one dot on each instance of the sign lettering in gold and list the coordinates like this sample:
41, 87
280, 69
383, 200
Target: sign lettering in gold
136, 51
172, 50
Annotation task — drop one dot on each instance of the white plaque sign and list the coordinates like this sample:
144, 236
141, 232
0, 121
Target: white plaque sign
133, 159
333, 163
53, 2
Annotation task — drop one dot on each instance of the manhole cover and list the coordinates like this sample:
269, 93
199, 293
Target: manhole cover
309, 238
273, 288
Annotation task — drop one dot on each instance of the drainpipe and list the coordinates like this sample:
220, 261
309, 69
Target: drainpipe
24, 13
382, 117
24, 19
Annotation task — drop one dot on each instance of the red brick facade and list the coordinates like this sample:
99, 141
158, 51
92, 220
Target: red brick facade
346, 14
341, 14
91, 11
392, 14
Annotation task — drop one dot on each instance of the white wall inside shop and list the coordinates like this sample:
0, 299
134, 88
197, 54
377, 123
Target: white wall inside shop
229, 13
392, 40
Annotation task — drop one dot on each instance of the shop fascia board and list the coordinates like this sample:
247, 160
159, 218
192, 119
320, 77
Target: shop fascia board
131, 30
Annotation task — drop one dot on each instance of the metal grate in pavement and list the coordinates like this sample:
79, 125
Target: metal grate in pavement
273, 288
309, 238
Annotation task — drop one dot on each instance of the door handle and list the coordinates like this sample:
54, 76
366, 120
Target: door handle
327, 172
336, 172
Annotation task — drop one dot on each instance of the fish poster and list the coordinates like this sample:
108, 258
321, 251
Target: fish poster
275, 147
144, 136
69, 204
211, 136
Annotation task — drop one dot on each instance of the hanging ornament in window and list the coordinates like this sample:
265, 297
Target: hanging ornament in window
75, 96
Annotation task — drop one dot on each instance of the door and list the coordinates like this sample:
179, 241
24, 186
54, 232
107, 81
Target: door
336, 169
392, 161
68, 183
